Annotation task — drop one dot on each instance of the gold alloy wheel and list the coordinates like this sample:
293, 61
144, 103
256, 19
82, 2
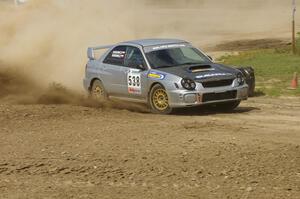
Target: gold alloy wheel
98, 92
160, 99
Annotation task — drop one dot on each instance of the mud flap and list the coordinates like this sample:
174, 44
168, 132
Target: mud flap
249, 75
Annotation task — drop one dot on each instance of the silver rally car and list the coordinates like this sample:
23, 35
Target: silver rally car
163, 73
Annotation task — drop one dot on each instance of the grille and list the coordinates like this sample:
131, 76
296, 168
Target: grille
219, 96
218, 83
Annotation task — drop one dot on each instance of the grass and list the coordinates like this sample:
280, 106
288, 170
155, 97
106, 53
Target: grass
274, 68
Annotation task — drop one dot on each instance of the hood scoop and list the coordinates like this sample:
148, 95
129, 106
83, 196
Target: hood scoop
200, 68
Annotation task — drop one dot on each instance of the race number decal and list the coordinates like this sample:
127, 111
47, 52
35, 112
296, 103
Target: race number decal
134, 82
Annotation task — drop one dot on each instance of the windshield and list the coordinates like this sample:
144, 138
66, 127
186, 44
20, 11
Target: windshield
176, 57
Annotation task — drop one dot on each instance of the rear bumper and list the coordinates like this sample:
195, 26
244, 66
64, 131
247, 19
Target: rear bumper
182, 98
86, 84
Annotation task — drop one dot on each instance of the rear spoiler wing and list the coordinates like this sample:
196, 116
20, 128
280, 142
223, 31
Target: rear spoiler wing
91, 53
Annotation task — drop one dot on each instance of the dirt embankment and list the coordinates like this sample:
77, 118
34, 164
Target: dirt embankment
250, 44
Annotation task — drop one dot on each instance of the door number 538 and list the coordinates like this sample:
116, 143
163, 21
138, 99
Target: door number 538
134, 80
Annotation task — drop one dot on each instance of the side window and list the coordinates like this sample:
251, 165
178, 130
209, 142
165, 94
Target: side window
134, 58
116, 56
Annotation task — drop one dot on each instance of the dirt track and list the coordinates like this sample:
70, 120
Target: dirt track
65, 151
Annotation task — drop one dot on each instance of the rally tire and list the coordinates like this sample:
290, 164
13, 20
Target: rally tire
97, 91
159, 100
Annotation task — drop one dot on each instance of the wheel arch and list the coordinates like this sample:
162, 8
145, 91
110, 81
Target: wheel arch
151, 86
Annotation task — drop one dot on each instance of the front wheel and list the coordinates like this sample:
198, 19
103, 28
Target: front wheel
159, 100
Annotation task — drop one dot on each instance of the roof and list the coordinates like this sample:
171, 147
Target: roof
154, 42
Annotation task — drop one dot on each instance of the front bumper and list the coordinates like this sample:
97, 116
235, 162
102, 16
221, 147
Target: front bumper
184, 98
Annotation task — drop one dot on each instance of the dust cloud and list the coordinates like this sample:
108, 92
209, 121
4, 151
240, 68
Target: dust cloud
18, 88
45, 40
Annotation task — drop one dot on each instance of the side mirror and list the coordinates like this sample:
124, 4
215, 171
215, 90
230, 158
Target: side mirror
140, 66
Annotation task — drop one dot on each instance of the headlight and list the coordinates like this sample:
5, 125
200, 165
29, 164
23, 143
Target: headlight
240, 79
188, 84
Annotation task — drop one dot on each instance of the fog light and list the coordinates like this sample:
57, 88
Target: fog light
190, 98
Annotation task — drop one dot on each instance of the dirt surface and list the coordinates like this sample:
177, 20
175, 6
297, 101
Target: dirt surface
68, 151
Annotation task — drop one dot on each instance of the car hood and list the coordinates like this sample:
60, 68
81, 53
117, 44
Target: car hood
203, 72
